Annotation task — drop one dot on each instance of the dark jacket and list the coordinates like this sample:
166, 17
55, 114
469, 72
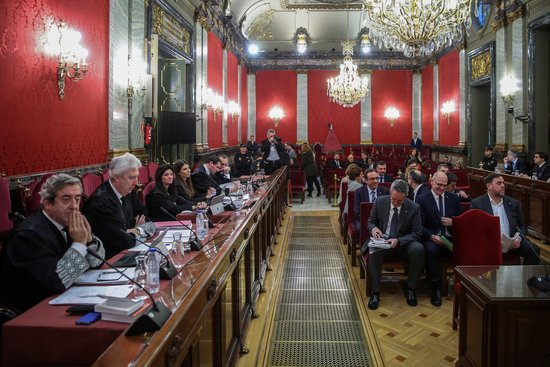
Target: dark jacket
362, 195
159, 198
266, 147
543, 172
417, 145
308, 164
243, 164
107, 217
431, 220
520, 166
202, 180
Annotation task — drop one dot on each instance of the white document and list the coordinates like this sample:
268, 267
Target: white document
91, 295
105, 276
379, 243
507, 242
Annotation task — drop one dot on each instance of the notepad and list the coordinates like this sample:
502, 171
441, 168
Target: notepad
91, 295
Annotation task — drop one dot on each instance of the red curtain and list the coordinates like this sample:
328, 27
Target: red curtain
449, 90
276, 88
40, 132
232, 95
244, 104
391, 88
321, 112
427, 105
215, 80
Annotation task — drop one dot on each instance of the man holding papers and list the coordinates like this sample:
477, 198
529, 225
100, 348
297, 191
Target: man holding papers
396, 219
511, 219
48, 251
437, 208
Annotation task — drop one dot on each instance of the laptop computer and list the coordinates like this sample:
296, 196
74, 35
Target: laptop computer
216, 204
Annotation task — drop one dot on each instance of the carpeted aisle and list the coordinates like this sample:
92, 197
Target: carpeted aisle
316, 321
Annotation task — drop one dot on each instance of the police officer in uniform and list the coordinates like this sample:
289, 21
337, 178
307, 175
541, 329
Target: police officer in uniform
489, 161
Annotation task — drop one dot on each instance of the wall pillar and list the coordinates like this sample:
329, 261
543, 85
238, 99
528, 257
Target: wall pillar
224, 114
251, 92
301, 110
436, 104
500, 72
463, 133
417, 103
519, 133
366, 113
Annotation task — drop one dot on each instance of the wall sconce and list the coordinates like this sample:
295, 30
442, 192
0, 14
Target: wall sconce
508, 87
392, 114
446, 109
213, 101
136, 81
217, 105
301, 39
233, 109
71, 56
276, 114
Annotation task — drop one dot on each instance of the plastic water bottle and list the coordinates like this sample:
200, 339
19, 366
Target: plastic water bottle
140, 277
199, 225
205, 226
153, 268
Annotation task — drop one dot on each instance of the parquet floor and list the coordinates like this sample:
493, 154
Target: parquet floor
398, 335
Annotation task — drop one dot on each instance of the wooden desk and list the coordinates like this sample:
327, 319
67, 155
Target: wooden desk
212, 299
503, 322
533, 195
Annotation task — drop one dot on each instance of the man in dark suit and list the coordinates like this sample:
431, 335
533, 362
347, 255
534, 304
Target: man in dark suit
203, 177
382, 175
416, 142
511, 219
367, 194
513, 164
272, 149
115, 206
541, 169
335, 162
223, 175
48, 251
437, 208
397, 219
451, 187
417, 183
252, 145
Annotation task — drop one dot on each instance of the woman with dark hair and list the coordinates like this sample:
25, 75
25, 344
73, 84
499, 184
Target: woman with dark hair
414, 157
164, 196
310, 169
184, 185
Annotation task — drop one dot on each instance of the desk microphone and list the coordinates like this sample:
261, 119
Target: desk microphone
151, 320
168, 270
540, 283
195, 244
231, 206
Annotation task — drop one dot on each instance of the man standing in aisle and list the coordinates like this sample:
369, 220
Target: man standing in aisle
511, 219
115, 206
272, 149
48, 251
396, 219
416, 142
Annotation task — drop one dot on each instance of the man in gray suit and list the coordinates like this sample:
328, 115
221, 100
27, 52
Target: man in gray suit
397, 219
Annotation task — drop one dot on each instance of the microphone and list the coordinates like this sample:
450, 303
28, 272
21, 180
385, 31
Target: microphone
196, 244
168, 270
17, 215
148, 321
231, 206
540, 283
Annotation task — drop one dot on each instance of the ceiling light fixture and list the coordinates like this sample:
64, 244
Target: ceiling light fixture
418, 28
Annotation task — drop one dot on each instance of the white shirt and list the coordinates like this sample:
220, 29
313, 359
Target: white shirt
387, 233
498, 210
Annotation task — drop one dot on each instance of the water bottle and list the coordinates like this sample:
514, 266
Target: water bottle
199, 225
206, 227
153, 268
177, 250
534, 176
140, 277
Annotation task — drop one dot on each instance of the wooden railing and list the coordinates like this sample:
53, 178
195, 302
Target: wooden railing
213, 298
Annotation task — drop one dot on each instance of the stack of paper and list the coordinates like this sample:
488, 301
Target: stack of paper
508, 241
120, 309
379, 243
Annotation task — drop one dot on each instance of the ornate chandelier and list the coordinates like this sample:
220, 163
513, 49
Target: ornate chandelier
418, 28
348, 88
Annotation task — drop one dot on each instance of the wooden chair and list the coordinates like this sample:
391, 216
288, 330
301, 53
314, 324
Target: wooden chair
351, 231
32, 201
297, 184
342, 214
6, 224
476, 241
90, 182
152, 169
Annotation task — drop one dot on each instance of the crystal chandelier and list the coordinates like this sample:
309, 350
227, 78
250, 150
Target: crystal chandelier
418, 28
348, 88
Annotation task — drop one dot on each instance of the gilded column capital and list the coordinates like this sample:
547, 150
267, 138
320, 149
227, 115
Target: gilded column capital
302, 71
516, 14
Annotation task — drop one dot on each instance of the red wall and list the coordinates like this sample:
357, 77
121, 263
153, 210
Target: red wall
276, 88
427, 105
232, 95
215, 79
391, 88
244, 104
449, 89
321, 111
40, 132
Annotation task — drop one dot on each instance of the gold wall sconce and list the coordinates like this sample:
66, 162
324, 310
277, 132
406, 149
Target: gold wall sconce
64, 43
392, 114
212, 101
233, 109
447, 109
508, 87
276, 114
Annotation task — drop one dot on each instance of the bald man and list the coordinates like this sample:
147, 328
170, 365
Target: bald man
437, 207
